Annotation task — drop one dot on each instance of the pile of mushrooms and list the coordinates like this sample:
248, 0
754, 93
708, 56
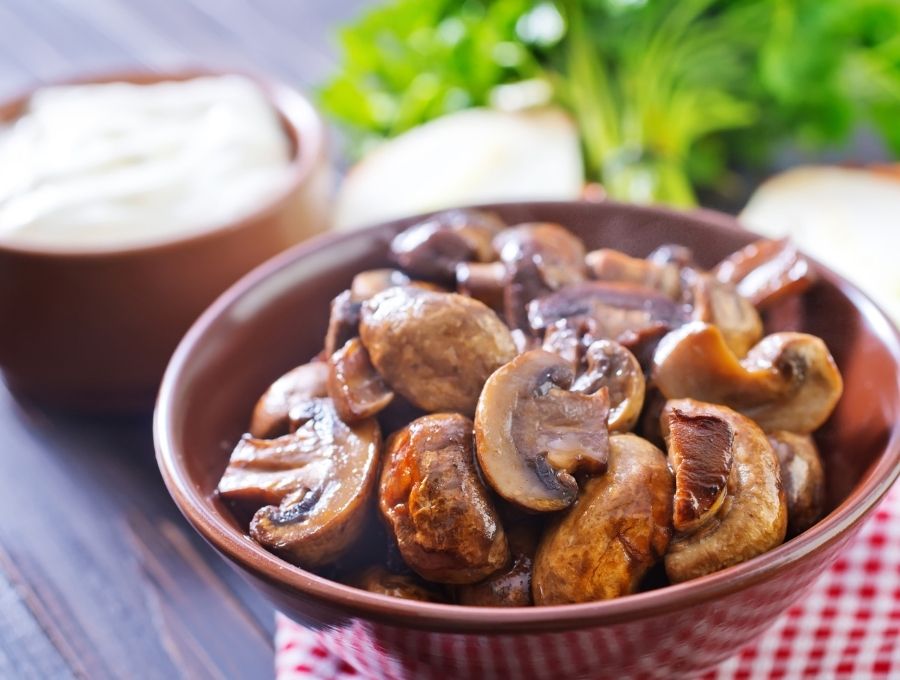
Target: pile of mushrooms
508, 420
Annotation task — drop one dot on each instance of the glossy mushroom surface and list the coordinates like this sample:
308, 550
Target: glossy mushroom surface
431, 249
789, 381
355, 387
533, 435
751, 520
435, 505
616, 531
435, 349
379, 579
767, 271
317, 483
284, 404
610, 365
803, 478
511, 585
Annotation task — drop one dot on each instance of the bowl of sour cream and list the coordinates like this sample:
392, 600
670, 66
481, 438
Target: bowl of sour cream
127, 205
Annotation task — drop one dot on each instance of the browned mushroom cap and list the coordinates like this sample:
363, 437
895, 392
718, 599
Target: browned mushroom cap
753, 517
509, 587
432, 249
316, 480
803, 478
372, 281
532, 434
719, 304
767, 271
701, 451
436, 349
343, 322
438, 509
286, 401
569, 338
618, 529
556, 251
612, 366
355, 387
789, 381
540, 257
378, 579
611, 265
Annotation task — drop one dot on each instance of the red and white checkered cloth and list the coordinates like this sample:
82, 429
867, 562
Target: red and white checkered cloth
847, 627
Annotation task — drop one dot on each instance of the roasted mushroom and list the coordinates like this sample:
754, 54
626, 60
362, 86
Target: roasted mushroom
611, 265
435, 349
355, 387
431, 249
789, 381
803, 478
539, 258
372, 281
533, 435
511, 586
610, 365
721, 305
435, 504
378, 579
284, 405
701, 451
484, 281
343, 322
752, 518
767, 271
315, 482
616, 531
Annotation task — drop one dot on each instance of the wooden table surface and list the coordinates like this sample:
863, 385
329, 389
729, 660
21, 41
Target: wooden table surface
100, 577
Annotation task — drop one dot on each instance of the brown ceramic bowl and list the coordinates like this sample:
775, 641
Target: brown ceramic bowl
275, 319
93, 328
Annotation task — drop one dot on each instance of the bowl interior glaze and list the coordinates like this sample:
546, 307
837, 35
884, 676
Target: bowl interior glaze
275, 318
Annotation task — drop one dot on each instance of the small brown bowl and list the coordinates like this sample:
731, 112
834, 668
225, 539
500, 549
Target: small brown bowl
275, 318
91, 329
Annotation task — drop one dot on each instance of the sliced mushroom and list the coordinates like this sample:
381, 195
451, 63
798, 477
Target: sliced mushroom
355, 387
540, 258
533, 435
594, 299
701, 451
789, 381
803, 478
753, 517
436, 349
612, 366
511, 586
281, 408
317, 482
343, 322
435, 504
611, 265
569, 338
371, 282
767, 271
378, 579
616, 531
431, 249
721, 305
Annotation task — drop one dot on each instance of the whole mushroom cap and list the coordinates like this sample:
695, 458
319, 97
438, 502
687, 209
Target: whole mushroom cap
435, 349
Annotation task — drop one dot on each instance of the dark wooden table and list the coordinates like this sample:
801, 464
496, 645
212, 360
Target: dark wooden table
99, 574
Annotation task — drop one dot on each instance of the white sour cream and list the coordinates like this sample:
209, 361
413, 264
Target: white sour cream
116, 164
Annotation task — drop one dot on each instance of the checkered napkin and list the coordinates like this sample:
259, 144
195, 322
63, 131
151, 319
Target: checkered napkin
847, 627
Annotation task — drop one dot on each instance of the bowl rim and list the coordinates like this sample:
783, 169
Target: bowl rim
296, 113
449, 617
